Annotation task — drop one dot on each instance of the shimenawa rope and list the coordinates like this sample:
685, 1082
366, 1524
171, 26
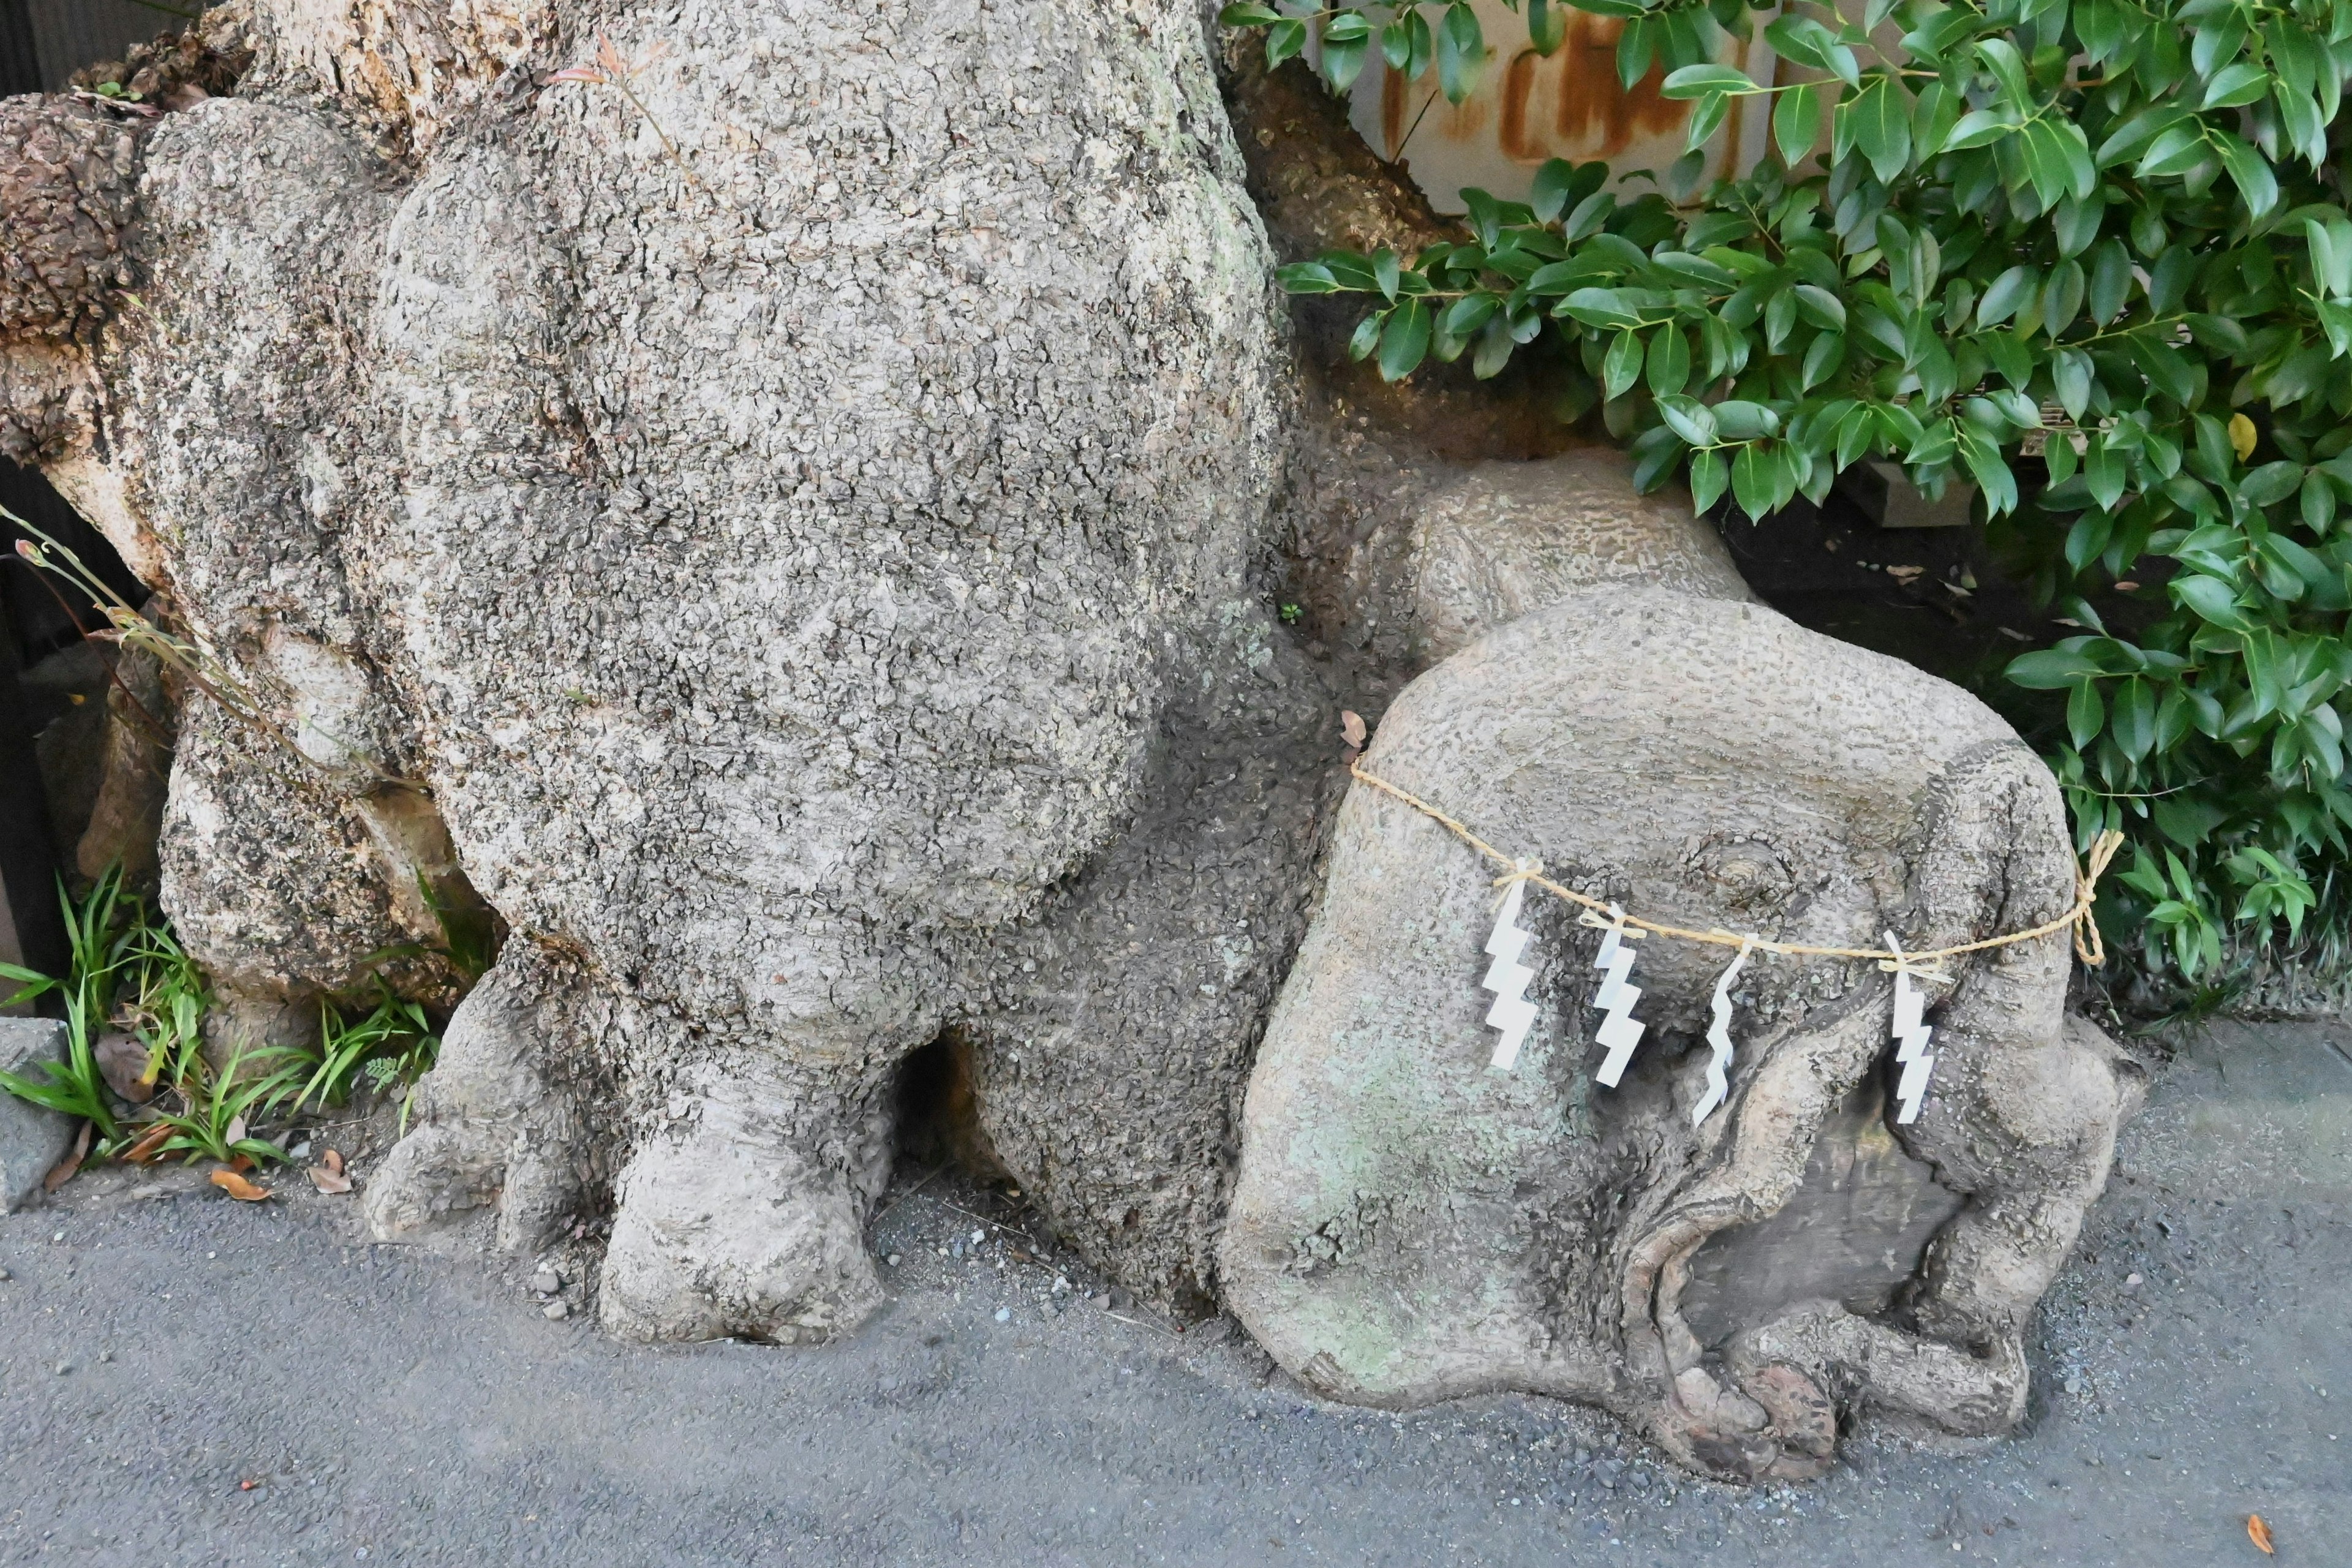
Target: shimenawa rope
2087, 943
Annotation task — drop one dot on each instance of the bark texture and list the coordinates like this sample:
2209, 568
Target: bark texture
804, 579
1410, 1226
790, 528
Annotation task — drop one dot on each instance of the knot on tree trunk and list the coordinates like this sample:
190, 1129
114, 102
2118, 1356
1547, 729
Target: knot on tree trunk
67, 174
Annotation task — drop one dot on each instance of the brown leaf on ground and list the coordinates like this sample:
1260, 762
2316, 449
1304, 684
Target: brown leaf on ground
333, 1162
237, 1187
1351, 726
2260, 1534
122, 1062
62, 1171
328, 1181
150, 1145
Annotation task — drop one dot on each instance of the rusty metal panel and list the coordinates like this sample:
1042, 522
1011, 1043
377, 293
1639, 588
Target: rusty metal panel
1528, 109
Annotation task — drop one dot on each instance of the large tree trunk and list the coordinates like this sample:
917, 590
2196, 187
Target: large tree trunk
794, 532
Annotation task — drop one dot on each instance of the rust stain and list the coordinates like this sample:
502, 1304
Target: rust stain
1465, 120
1519, 86
1392, 90
1593, 102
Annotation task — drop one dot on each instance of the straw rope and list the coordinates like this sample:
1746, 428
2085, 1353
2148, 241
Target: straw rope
2088, 945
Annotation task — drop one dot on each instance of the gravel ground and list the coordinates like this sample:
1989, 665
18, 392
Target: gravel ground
188, 1380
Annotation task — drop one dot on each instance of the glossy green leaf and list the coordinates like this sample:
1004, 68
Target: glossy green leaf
1622, 365
1668, 365
1709, 474
1796, 124
2051, 670
2212, 599
1698, 82
2239, 83
1875, 123
2134, 721
2086, 713
1404, 340
1461, 52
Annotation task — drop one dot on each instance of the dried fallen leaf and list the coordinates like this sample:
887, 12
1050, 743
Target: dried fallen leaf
236, 1133
246, 1486
333, 1162
122, 1060
1904, 573
237, 1187
150, 1145
328, 1181
1351, 726
2260, 1534
62, 1171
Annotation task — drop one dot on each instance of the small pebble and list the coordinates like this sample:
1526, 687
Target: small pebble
547, 1281
1003, 1315
60, 1236
555, 1311
64, 1367
5, 1275
893, 1260
2132, 1282
106, 1355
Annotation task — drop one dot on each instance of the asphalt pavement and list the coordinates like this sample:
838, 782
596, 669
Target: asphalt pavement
189, 1380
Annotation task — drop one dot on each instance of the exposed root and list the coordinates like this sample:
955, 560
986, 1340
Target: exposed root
725, 1229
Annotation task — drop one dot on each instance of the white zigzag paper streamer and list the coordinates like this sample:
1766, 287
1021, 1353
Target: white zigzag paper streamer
1620, 1031
1507, 979
1718, 1035
1912, 1034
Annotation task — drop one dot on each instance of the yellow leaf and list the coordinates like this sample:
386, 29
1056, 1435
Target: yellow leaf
237, 1187
2241, 441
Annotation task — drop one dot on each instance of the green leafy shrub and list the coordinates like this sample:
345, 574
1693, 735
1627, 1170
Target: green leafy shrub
2092, 256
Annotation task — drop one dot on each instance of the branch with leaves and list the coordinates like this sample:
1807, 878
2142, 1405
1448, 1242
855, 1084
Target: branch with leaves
2109, 231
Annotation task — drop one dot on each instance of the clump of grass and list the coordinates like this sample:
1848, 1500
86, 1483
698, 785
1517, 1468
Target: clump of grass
219, 1112
391, 1045
129, 971
101, 954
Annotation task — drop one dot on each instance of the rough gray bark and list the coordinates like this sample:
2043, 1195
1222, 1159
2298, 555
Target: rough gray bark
800, 546
1410, 1226
789, 569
